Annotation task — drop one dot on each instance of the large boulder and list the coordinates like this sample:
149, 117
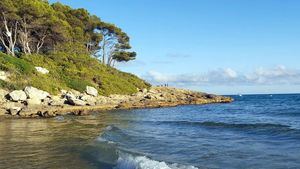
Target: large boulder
12, 108
33, 101
57, 101
91, 91
17, 95
90, 100
76, 102
34, 93
72, 100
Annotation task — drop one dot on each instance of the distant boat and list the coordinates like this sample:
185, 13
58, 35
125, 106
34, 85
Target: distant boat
271, 95
240, 95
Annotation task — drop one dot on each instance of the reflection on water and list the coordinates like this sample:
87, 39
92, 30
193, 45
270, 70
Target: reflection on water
49, 143
255, 131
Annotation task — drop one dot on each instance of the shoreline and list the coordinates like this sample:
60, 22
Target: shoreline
155, 97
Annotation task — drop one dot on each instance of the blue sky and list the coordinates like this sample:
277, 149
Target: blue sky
217, 46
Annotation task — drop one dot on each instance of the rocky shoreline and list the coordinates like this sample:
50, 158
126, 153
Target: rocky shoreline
32, 102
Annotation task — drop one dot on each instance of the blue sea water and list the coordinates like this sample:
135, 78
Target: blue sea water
253, 132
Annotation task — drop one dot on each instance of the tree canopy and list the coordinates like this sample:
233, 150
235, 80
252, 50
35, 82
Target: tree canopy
35, 26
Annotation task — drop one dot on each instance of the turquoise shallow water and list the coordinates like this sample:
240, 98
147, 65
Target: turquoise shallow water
255, 131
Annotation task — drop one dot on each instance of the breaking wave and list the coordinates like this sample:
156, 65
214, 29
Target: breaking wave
130, 160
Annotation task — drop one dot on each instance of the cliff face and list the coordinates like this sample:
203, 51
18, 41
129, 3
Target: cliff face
33, 102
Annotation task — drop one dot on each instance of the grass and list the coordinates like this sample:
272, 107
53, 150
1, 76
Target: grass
67, 72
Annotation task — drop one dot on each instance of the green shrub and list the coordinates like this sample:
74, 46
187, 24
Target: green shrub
67, 71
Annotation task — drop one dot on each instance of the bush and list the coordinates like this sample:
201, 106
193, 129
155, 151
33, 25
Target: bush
67, 71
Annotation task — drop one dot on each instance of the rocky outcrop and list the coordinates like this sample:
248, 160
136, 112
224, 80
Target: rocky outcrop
165, 96
37, 103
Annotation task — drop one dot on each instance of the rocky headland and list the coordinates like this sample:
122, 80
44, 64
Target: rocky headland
32, 102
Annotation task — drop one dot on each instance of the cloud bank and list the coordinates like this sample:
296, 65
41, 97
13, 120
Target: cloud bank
229, 77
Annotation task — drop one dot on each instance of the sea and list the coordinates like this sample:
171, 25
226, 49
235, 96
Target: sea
253, 132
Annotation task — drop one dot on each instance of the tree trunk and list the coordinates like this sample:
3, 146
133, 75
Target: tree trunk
9, 37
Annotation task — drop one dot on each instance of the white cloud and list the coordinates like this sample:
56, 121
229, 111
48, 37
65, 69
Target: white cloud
226, 77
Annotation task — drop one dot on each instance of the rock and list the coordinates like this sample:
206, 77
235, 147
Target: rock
91, 91
149, 96
4, 75
14, 110
34, 93
72, 100
57, 101
72, 93
77, 102
42, 70
88, 99
18, 95
3, 93
63, 92
102, 100
145, 90
33, 101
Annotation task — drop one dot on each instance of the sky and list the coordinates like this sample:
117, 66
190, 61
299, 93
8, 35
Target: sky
215, 46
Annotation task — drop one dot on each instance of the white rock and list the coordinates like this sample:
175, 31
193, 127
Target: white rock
4, 75
33, 101
57, 101
18, 95
42, 70
91, 91
90, 100
35, 93
76, 102
15, 110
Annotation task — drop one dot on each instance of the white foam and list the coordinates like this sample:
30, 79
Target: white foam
142, 162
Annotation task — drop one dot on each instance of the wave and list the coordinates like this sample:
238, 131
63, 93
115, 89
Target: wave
213, 124
127, 161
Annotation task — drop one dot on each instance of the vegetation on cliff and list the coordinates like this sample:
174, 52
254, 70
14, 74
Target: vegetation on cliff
77, 48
